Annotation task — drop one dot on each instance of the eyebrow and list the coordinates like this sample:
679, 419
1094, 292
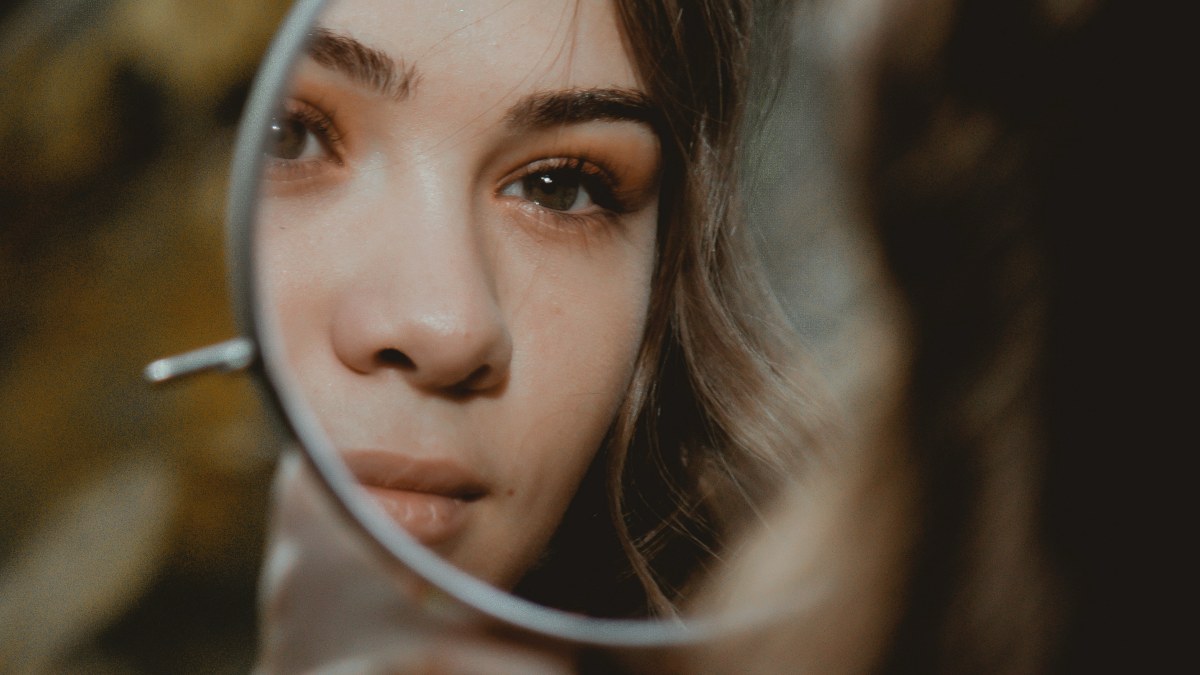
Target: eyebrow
392, 78
364, 65
573, 106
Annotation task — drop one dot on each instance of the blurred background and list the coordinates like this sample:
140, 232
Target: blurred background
131, 518
131, 523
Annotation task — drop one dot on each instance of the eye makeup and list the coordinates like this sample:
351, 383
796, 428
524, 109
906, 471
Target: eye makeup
567, 184
578, 175
573, 192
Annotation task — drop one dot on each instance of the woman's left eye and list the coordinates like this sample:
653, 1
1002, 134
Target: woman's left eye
569, 187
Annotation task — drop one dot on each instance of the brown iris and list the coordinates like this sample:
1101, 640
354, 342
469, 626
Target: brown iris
557, 190
287, 138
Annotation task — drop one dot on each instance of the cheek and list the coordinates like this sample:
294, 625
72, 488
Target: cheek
301, 270
577, 333
595, 299
280, 258
578, 339
287, 260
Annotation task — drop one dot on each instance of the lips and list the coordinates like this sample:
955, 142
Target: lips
427, 497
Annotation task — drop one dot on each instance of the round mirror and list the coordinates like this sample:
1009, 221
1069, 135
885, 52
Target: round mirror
497, 268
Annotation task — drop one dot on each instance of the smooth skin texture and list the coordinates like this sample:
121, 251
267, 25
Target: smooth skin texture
458, 237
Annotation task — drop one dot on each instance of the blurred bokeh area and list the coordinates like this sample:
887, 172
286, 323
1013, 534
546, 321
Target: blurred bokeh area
131, 517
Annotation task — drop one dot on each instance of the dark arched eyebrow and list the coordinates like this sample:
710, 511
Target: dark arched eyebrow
573, 106
391, 77
367, 66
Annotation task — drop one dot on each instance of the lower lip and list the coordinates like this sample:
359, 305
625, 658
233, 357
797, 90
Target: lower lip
430, 518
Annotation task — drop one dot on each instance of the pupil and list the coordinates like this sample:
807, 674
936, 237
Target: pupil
554, 190
287, 138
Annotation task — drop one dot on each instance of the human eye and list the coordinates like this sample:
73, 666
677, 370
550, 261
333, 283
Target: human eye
302, 141
566, 186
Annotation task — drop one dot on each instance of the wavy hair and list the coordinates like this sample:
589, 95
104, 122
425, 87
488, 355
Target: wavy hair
715, 419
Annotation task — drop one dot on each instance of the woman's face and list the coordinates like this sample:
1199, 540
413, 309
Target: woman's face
458, 237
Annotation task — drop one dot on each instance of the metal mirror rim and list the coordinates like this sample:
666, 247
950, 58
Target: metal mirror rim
284, 401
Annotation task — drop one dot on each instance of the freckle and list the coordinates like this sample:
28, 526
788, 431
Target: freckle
511, 492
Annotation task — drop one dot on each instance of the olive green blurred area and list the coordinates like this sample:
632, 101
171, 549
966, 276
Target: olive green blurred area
131, 517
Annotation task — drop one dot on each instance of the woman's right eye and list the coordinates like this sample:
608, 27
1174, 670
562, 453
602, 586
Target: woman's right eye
292, 140
301, 142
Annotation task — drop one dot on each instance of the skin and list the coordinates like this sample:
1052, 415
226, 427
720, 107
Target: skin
433, 309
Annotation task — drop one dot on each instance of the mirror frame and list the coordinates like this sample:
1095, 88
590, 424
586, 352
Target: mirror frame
401, 552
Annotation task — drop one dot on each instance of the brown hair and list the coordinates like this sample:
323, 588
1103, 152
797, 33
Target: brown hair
1020, 175
714, 419
953, 178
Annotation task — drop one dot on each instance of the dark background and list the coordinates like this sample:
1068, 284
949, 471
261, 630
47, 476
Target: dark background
131, 516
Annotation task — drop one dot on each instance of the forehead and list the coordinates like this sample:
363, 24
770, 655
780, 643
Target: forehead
495, 46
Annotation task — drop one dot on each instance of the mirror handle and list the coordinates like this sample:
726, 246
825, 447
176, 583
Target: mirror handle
228, 356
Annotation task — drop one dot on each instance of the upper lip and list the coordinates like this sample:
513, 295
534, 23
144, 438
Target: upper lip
396, 471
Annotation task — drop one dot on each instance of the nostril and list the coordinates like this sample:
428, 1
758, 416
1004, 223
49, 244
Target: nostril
396, 358
472, 382
477, 376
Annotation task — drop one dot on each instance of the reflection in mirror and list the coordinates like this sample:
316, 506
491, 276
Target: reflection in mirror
501, 245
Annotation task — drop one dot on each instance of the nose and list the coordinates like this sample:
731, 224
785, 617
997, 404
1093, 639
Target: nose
425, 309
456, 350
